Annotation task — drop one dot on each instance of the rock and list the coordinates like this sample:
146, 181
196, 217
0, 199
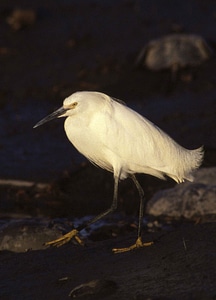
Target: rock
95, 289
173, 52
23, 183
189, 200
20, 18
27, 234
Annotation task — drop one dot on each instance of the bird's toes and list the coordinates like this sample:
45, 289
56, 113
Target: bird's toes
138, 244
65, 239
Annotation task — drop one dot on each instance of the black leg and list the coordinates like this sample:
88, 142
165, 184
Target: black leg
138, 243
106, 212
74, 233
141, 208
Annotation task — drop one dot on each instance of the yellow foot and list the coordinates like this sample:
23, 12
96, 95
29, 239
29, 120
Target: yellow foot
138, 244
65, 239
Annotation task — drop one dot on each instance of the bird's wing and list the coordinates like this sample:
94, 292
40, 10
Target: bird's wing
142, 147
133, 138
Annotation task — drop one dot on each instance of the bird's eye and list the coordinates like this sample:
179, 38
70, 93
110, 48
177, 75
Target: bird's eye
73, 105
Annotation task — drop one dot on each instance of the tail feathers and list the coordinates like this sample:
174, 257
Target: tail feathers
188, 162
196, 158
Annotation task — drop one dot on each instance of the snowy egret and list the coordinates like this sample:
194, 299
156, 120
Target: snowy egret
118, 139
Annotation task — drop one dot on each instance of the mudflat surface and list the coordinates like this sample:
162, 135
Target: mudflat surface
180, 265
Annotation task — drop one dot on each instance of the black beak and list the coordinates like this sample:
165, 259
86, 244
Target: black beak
58, 113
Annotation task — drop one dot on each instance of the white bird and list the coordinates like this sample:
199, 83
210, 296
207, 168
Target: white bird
118, 139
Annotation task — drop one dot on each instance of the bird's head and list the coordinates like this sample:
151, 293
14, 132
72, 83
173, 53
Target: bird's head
69, 105
76, 103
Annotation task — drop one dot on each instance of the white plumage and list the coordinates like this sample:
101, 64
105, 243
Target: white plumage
118, 139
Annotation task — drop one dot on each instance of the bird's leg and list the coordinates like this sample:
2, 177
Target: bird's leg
138, 243
111, 209
74, 233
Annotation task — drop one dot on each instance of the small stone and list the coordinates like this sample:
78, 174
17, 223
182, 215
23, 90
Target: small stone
95, 289
20, 18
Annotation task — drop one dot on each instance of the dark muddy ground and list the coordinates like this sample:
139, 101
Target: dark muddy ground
181, 265
92, 45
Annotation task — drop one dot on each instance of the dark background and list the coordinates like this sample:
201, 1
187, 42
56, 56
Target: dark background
92, 45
